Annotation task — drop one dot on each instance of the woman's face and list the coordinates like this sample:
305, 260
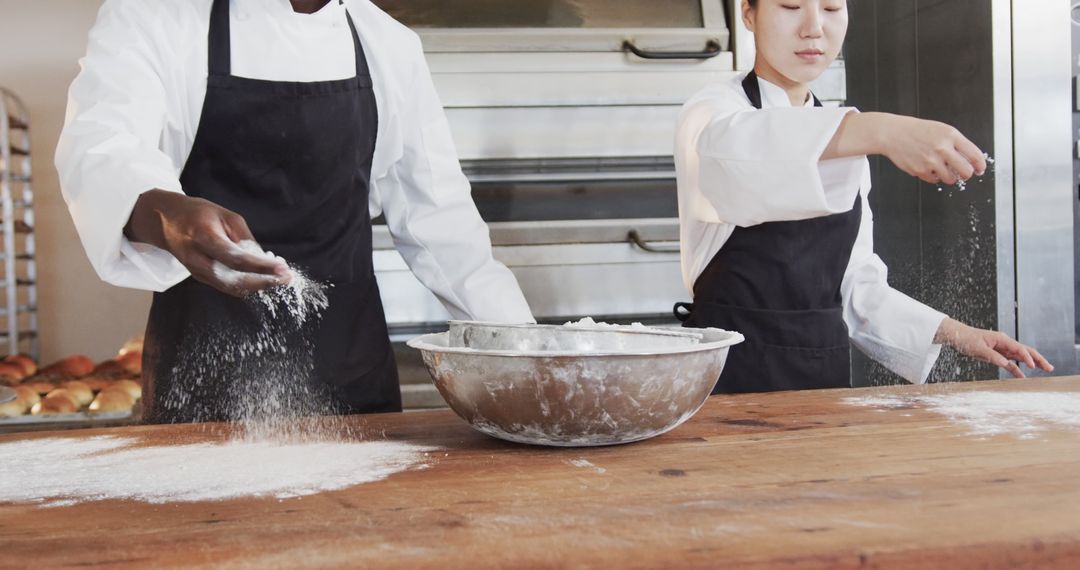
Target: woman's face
797, 38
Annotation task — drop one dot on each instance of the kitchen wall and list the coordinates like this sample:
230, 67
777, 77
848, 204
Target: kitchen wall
40, 44
931, 59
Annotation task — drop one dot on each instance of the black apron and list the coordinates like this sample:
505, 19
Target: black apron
294, 159
778, 283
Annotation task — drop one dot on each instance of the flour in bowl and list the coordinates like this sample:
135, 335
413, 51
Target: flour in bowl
590, 323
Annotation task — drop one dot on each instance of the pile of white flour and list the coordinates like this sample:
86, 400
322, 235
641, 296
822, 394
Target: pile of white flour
985, 414
260, 369
65, 471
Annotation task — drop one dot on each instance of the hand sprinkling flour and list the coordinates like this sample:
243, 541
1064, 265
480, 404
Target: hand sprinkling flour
962, 184
266, 369
299, 295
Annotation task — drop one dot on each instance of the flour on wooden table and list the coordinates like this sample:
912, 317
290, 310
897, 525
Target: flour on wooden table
1022, 414
65, 471
586, 464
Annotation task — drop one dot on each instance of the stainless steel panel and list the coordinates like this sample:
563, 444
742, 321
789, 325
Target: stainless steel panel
546, 13
564, 131
562, 63
564, 232
1004, 197
549, 170
1076, 157
1042, 74
582, 131
568, 40
645, 85
559, 281
487, 26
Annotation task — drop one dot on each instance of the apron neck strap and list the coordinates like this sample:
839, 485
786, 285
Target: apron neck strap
220, 46
361, 60
752, 89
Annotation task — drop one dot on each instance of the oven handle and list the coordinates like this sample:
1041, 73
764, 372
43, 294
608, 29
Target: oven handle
712, 49
635, 238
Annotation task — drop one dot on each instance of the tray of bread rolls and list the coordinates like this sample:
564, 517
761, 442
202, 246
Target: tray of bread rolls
72, 391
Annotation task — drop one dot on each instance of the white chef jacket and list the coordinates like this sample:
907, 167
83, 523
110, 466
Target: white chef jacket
738, 167
135, 106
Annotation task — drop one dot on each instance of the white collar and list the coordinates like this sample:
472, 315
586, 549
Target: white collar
775, 96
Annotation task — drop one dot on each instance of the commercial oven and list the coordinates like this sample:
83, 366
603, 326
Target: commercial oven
564, 113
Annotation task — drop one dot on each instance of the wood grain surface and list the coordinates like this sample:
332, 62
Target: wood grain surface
792, 480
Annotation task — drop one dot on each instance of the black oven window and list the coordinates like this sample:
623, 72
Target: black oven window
604, 200
546, 13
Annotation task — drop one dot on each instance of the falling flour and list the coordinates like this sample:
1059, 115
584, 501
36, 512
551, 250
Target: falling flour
985, 414
260, 363
961, 184
65, 471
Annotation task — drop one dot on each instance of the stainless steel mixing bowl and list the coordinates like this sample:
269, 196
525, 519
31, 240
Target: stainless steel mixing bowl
572, 397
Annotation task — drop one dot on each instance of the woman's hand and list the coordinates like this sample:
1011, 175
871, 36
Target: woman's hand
994, 347
929, 150
205, 238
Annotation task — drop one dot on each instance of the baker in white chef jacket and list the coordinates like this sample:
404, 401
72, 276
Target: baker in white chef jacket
776, 228
198, 125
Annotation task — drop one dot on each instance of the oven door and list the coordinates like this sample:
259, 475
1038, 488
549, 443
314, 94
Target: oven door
584, 238
696, 28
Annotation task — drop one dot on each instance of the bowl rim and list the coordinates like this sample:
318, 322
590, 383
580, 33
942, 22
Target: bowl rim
600, 327
424, 343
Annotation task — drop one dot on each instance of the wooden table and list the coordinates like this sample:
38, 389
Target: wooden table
797, 480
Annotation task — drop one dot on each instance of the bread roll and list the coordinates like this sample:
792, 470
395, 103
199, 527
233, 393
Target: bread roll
28, 365
109, 368
132, 362
75, 366
40, 386
130, 386
112, 401
80, 391
98, 383
11, 373
56, 402
27, 396
12, 409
